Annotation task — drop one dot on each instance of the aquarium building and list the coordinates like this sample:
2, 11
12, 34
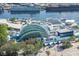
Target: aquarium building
34, 30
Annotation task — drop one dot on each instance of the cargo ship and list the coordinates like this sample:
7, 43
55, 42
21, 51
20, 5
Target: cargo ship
24, 9
69, 8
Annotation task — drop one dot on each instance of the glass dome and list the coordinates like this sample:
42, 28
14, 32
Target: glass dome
33, 30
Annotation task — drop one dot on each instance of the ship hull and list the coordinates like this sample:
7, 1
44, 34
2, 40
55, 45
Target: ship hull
24, 10
62, 9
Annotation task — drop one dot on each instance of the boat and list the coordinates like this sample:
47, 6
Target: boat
24, 9
69, 8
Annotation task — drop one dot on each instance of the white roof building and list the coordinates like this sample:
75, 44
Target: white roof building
70, 21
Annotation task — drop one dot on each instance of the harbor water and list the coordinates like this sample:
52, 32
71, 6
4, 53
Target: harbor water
42, 15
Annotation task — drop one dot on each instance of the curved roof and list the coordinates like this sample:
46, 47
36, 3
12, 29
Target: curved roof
35, 30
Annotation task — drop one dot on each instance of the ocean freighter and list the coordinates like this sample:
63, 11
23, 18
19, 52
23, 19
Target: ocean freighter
24, 9
69, 8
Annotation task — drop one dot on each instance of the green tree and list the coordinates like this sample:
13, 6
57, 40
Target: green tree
39, 44
66, 44
77, 27
29, 50
3, 34
72, 38
29, 47
10, 48
32, 46
48, 53
13, 19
